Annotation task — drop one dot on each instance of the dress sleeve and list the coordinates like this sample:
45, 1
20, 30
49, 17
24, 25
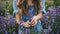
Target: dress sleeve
43, 7
15, 7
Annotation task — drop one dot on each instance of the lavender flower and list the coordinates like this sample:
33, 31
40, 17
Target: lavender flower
49, 28
20, 32
58, 32
6, 13
45, 31
28, 31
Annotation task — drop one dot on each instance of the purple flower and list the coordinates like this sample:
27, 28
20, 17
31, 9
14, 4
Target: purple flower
14, 32
45, 18
6, 14
12, 20
58, 11
58, 32
5, 32
20, 32
45, 31
27, 31
49, 28
52, 21
51, 9
52, 33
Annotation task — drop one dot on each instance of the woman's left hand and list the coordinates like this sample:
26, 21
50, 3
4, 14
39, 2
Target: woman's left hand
34, 20
26, 24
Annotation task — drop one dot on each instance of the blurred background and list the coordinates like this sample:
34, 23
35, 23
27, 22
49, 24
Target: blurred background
50, 20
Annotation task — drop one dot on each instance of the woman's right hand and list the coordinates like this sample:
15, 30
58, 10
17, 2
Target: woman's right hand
26, 24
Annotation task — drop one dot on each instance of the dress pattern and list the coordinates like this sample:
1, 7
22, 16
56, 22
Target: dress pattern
37, 29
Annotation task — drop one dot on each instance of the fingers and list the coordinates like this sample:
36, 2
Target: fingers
32, 21
25, 24
34, 24
28, 22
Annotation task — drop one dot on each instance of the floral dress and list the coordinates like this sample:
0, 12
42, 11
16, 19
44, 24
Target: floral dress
37, 29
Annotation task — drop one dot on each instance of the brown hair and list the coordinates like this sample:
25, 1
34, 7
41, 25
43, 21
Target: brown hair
37, 5
22, 4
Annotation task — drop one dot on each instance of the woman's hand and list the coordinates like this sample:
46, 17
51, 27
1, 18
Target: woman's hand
26, 24
34, 20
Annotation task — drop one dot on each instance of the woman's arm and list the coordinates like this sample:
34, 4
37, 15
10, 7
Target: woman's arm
18, 15
18, 2
34, 19
39, 15
17, 18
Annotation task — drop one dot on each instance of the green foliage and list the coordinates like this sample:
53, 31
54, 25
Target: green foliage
2, 12
8, 7
56, 2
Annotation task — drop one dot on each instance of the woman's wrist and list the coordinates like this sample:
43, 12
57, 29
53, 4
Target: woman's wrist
39, 15
20, 22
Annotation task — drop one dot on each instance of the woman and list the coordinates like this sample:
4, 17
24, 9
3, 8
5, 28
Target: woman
28, 16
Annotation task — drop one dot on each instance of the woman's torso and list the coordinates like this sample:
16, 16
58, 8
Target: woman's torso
30, 14
30, 11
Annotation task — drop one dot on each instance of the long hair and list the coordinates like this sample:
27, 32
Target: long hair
37, 5
23, 4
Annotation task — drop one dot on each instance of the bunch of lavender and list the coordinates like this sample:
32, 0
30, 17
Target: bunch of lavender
3, 24
7, 25
50, 19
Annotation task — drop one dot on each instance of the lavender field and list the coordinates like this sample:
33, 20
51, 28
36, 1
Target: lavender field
51, 22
